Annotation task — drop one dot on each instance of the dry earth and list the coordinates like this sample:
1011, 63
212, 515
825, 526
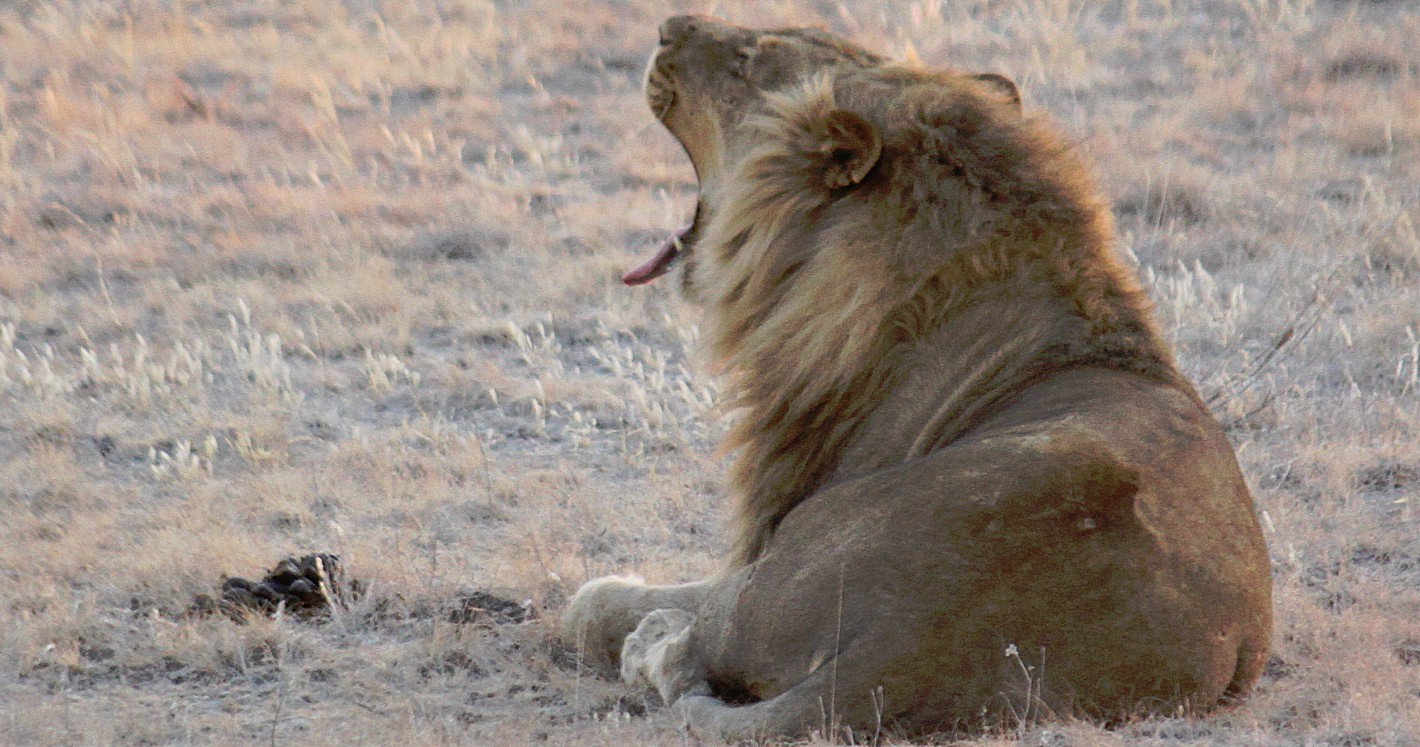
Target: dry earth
289, 276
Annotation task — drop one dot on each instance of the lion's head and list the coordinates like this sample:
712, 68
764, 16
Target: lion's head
849, 206
708, 77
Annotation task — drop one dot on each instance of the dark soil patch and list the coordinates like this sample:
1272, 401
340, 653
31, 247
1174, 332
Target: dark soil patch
482, 607
306, 588
312, 586
1365, 64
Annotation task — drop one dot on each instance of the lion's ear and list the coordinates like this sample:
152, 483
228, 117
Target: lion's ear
1003, 86
851, 147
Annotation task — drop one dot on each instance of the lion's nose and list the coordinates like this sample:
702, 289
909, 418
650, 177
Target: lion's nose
676, 29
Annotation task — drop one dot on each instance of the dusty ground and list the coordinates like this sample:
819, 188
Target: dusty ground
279, 277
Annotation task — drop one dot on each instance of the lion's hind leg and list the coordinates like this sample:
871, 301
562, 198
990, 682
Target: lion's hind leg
801, 709
842, 693
658, 655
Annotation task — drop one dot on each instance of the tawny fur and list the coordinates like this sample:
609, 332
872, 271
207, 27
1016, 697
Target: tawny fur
957, 429
810, 328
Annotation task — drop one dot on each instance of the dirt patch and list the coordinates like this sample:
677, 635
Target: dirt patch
1365, 63
480, 607
1387, 477
308, 587
312, 586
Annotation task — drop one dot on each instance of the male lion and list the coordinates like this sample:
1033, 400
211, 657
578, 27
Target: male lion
972, 486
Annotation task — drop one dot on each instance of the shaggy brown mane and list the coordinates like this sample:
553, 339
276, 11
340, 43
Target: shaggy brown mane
823, 294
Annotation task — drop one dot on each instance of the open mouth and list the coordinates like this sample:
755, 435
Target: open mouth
673, 248
661, 96
659, 87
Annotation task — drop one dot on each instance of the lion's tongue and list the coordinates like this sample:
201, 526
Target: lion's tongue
660, 262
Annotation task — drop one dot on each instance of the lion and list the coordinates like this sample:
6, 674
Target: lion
971, 485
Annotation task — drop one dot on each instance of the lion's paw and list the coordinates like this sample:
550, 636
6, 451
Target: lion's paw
598, 618
658, 654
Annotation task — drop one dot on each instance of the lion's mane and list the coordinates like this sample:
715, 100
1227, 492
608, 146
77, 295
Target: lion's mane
817, 297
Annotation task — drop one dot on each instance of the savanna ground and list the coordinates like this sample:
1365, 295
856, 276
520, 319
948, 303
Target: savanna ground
278, 277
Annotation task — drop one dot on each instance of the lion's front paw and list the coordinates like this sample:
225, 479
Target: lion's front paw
658, 654
599, 617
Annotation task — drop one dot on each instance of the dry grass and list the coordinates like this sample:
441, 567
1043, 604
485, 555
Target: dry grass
279, 277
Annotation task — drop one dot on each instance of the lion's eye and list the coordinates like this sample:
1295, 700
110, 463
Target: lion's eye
741, 63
